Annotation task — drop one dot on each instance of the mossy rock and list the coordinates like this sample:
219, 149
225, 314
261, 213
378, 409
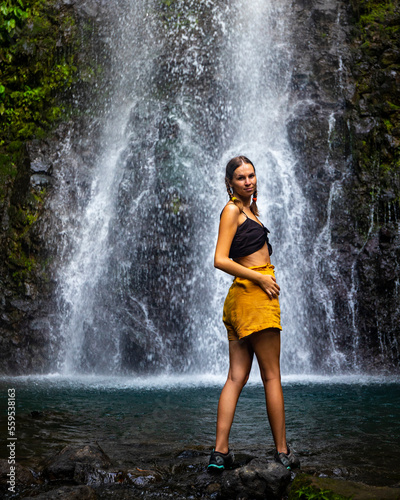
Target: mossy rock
317, 488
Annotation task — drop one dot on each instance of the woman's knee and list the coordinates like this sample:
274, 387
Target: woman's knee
270, 374
269, 367
238, 378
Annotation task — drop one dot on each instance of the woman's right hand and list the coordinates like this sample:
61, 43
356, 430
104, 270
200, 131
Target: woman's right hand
269, 285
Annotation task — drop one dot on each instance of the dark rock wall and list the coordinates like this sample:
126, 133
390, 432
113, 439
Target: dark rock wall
374, 188
345, 131
347, 75
29, 167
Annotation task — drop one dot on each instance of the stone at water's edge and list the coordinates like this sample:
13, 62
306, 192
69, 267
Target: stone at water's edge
76, 463
23, 475
179, 477
259, 479
86, 472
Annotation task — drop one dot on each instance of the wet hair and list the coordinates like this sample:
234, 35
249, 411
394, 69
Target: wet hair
232, 165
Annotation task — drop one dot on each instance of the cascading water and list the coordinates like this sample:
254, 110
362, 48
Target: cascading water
195, 83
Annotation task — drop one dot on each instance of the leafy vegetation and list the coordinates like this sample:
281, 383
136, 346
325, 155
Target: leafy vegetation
37, 41
34, 69
313, 493
303, 489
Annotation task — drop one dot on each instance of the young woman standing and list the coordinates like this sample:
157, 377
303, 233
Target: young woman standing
251, 312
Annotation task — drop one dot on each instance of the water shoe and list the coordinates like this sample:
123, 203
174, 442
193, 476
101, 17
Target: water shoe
220, 461
289, 460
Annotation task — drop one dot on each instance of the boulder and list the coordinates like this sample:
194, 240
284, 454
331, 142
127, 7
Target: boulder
76, 463
259, 479
23, 475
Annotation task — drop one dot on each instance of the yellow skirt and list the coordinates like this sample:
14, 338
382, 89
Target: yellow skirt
248, 309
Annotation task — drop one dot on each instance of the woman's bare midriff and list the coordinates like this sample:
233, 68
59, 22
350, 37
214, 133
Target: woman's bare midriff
259, 258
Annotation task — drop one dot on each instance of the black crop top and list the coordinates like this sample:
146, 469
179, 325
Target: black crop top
250, 237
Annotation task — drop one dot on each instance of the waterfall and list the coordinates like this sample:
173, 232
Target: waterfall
195, 84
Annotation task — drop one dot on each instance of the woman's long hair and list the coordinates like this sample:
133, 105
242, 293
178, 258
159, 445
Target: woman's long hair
232, 165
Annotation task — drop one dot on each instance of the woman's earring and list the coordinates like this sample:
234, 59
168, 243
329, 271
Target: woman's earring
255, 196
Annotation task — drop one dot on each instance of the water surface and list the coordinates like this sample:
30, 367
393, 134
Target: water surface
340, 426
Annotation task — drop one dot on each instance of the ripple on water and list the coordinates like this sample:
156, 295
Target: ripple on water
349, 423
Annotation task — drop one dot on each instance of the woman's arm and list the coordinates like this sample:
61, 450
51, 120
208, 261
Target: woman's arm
227, 229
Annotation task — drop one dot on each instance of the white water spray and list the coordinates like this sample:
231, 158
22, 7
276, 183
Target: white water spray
156, 165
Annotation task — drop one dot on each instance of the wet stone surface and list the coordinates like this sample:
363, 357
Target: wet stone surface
87, 472
155, 472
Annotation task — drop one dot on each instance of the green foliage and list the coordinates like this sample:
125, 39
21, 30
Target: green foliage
33, 70
302, 488
375, 10
21, 252
313, 493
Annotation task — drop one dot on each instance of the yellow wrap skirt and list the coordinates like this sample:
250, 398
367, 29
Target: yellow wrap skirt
248, 309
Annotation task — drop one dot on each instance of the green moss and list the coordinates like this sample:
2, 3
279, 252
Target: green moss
21, 256
302, 488
175, 205
392, 106
40, 46
34, 72
377, 13
388, 125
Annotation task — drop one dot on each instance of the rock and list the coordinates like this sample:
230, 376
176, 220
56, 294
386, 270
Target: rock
76, 463
347, 489
40, 180
259, 479
36, 414
142, 482
88, 7
23, 475
38, 153
66, 493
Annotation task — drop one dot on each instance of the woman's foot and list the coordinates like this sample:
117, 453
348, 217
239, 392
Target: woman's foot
220, 461
289, 460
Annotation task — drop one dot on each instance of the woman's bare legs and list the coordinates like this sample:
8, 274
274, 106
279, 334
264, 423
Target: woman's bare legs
267, 345
240, 360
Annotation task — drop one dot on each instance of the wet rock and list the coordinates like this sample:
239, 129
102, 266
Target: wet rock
76, 463
40, 180
347, 489
142, 482
190, 454
89, 8
66, 493
23, 475
39, 157
259, 479
36, 414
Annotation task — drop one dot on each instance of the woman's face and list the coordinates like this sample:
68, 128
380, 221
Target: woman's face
244, 181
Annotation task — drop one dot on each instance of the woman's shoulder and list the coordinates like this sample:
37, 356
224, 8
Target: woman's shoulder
230, 209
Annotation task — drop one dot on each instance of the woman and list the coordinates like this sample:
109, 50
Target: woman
251, 312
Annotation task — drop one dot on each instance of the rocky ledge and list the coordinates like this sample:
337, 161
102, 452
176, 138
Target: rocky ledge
87, 472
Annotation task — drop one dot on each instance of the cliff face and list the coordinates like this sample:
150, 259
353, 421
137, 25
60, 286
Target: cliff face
346, 137
374, 114
47, 77
345, 131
